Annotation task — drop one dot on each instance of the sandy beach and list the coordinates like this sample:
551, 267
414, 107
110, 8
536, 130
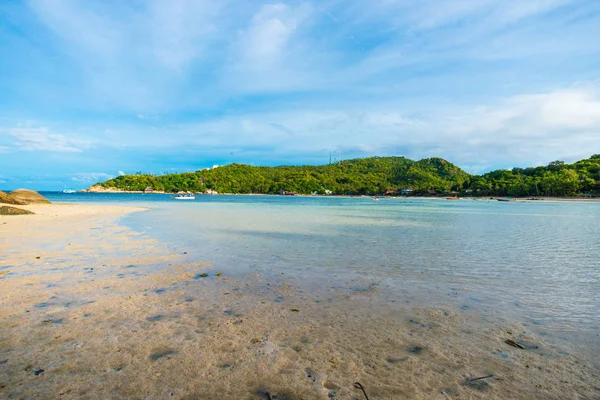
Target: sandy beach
93, 310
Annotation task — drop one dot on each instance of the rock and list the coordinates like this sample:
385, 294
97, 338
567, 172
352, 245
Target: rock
7, 210
38, 371
99, 189
256, 340
29, 196
8, 199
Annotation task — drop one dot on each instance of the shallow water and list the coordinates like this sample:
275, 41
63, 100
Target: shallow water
412, 298
536, 262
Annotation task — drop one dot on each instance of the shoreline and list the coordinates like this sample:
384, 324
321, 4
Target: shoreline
489, 198
71, 209
91, 309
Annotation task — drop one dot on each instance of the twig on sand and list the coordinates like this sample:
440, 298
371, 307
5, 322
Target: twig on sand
357, 385
268, 396
481, 377
512, 343
445, 394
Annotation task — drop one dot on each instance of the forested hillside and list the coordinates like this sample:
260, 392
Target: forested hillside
377, 175
555, 179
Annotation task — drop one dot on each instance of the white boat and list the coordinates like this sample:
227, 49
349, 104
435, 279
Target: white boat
184, 196
69, 191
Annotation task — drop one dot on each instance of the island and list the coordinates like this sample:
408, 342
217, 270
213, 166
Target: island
373, 176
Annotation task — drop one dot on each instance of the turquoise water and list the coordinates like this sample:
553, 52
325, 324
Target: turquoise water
536, 262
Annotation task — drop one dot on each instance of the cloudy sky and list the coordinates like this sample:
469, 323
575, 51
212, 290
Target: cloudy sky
90, 89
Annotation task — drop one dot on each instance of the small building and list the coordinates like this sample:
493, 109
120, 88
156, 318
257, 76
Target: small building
286, 193
406, 191
148, 189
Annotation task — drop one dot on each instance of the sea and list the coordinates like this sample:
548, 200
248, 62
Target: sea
536, 262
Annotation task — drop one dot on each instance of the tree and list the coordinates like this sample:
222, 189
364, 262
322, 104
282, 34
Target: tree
376, 175
556, 165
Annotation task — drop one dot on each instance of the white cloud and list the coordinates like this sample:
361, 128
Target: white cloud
272, 51
472, 81
91, 177
436, 14
41, 139
561, 113
133, 56
575, 109
264, 43
181, 29
543, 126
172, 33
158, 55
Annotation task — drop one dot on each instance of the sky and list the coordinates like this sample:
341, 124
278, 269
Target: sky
93, 89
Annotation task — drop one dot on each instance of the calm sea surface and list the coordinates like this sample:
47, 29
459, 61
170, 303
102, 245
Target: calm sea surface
537, 263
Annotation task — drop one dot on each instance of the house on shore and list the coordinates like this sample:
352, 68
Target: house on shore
148, 189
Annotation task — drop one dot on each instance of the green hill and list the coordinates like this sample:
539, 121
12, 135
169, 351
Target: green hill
555, 179
376, 175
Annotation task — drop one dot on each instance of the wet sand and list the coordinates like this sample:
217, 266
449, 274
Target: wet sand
91, 309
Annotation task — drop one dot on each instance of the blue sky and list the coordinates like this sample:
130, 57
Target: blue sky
90, 89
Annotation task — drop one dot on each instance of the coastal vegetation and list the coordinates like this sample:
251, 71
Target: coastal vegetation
376, 175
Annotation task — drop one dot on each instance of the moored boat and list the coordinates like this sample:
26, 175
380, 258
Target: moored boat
184, 196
